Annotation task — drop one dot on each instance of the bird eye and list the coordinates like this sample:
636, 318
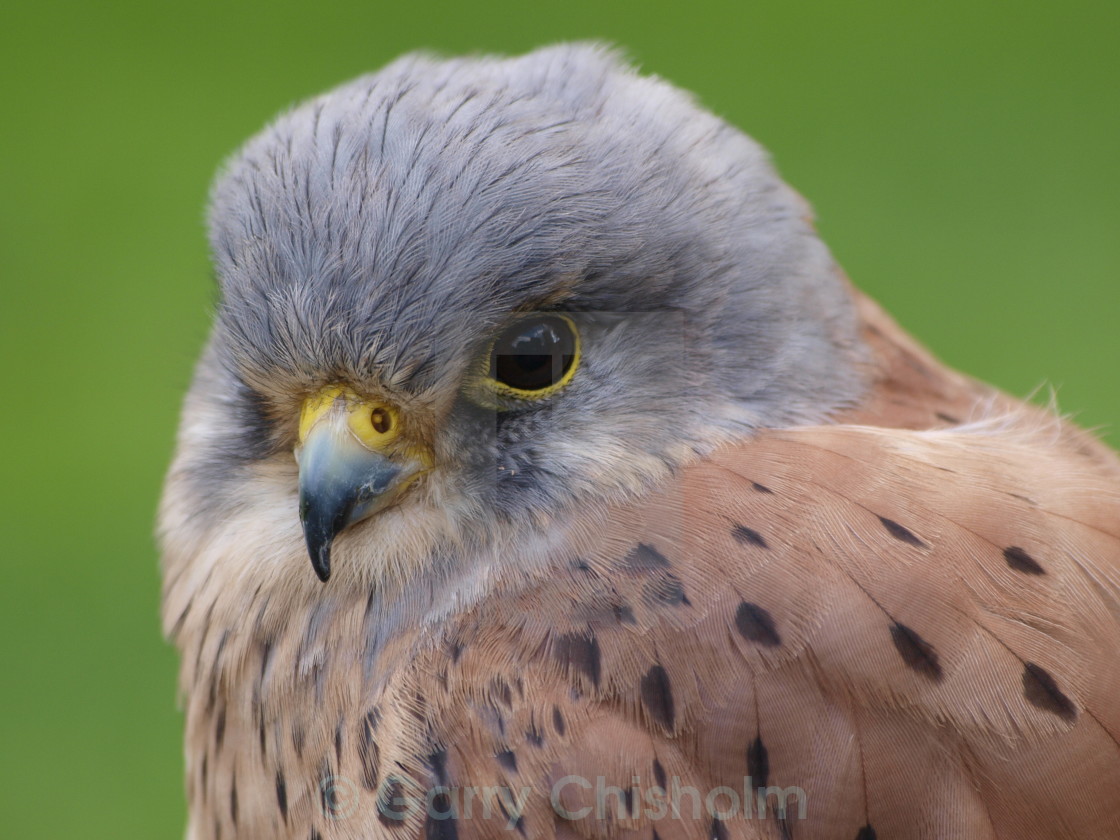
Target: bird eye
381, 420
534, 357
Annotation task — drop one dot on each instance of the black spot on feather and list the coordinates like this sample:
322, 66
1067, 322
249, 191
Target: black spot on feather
900, 532
866, 833
579, 652
645, 558
758, 763
508, 760
748, 536
756, 625
282, 796
918, 654
519, 824
719, 830
368, 752
233, 800
760, 488
329, 802
298, 738
500, 690
212, 696
623, 614
174, 634
659, 775
1042, 691
657, 696
628, 803
392, 808
441, 824
437, 763
220, 728
1020, 561
558, 722
666, 591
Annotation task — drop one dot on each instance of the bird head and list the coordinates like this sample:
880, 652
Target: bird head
466, 298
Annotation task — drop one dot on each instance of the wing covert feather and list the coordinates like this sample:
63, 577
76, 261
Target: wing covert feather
917, 629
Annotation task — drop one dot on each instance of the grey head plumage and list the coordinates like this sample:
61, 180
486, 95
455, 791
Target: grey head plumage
380, 235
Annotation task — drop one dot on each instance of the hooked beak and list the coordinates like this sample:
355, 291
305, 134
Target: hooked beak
353, 461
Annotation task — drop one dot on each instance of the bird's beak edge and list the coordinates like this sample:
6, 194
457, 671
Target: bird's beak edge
348, 468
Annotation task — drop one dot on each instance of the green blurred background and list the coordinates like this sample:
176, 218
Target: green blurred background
962, 157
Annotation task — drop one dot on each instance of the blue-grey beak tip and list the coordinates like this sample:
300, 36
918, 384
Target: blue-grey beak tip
321, 524
338, 487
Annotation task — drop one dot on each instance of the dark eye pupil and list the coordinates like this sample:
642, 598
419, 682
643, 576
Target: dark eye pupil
533, 354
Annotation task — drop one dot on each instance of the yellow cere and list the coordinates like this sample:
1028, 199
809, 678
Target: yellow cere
315, 407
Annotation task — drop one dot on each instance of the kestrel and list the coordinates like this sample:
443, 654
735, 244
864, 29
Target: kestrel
627, 516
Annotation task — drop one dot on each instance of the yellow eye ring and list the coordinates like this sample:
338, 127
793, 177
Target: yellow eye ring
533, 358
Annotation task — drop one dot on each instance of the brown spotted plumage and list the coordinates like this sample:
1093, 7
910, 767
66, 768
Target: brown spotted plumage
898, 620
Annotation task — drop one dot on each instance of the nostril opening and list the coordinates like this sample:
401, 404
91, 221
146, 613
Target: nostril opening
381, 420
